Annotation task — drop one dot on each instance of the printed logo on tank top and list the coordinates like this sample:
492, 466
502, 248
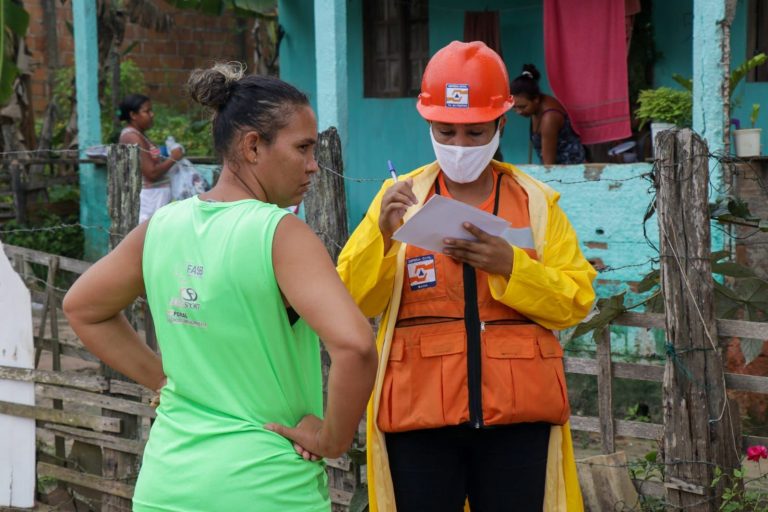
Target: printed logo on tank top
185, 305
421, 272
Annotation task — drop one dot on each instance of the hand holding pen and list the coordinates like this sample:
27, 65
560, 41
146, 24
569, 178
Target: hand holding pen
394, 202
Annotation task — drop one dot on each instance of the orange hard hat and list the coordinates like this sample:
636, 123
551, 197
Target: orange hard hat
464, 83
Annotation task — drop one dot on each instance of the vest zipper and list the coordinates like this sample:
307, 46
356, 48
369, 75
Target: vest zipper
473, 326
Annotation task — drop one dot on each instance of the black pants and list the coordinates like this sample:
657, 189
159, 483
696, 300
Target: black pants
498, 469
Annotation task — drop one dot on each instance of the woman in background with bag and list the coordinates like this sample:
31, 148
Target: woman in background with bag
136, 109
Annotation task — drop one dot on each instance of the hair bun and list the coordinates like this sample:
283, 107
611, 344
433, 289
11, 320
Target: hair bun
212, 87
530, 71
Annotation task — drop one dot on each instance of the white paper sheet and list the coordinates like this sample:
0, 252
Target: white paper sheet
441, 218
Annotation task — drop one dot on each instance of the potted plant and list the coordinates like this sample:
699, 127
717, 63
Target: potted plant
747, 140
664, 108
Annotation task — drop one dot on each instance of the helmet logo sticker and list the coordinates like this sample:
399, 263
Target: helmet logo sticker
457, 95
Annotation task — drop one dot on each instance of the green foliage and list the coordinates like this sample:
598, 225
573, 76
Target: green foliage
665, 105
746, 296
131, 80
192, 129
735, 498
217, 7
14, 21
754, 114
608, 310
737, 75
648, 468
636, 412
741, 71
67, 241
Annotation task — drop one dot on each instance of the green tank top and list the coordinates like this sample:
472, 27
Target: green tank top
234, 362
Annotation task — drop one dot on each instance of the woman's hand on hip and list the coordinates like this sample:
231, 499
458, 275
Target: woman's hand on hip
306, 436
395, 201
490, 253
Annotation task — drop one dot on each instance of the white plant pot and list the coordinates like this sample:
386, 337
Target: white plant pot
747, 141
656, 128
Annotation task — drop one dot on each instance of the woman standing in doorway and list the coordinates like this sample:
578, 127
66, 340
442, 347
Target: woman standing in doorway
552, 134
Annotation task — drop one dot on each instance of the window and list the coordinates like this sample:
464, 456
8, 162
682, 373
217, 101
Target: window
396, 47
757, 37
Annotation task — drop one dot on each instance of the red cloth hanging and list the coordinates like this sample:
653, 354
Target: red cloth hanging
586, 58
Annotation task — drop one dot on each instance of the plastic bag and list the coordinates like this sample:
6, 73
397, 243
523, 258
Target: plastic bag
186, 181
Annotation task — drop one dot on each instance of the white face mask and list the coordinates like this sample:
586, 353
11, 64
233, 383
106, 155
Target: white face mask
464, 164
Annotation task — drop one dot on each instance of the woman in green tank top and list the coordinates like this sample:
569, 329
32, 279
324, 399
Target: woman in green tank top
239, 290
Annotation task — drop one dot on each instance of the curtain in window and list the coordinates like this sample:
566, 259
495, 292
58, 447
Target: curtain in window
483, 26
585, 51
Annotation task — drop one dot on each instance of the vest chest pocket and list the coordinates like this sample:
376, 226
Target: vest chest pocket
522, 376
425, 383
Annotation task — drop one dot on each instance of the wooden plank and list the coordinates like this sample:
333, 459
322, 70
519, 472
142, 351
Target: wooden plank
96, 438
103, 401
646, 320
742, 329
680, 485
73, 419
66, 349
343, 463
605, 482
624, 428
752, 383
655, 373
650, 487
84, 479
70, 379
33, 256
605, 392
121, 387
340, 497
753, 440
725, 328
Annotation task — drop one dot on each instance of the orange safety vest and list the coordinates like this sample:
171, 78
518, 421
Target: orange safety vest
460, 356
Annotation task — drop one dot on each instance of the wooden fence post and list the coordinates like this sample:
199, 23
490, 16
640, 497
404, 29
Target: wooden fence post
325, 204
605, 392
123, 191
701, 429
325, 207
19, 191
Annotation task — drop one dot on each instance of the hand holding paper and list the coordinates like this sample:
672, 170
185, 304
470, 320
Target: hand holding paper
442, 218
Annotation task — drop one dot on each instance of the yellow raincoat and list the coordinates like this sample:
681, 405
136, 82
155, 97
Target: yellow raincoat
555, 292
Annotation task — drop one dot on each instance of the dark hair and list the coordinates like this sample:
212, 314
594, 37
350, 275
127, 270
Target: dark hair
527, 83
261, 103
131, 103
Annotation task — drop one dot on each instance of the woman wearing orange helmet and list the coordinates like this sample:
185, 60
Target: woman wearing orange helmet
470, 402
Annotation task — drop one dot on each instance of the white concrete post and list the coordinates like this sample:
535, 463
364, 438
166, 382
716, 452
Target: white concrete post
17, 435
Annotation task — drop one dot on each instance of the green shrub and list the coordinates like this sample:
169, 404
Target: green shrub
665, 105
192, 129
131, 79
65, 241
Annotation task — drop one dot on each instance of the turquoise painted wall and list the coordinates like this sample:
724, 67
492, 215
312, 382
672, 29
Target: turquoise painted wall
391, 129
747, 93
673, 34
673, 29
297, 49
